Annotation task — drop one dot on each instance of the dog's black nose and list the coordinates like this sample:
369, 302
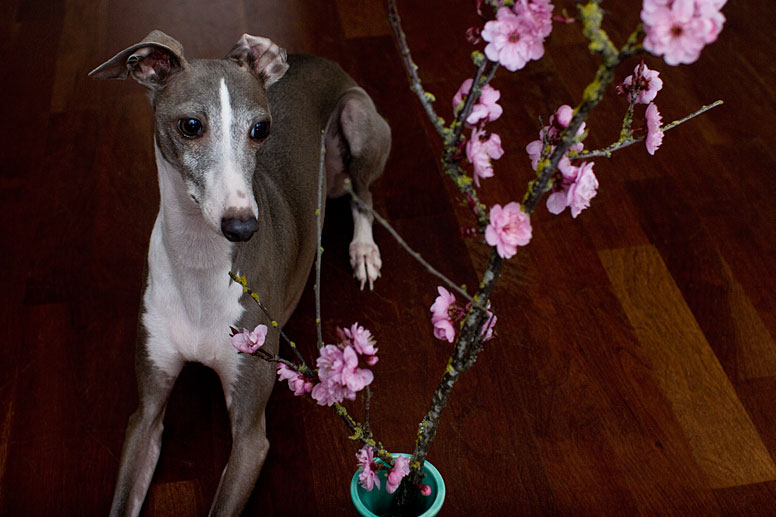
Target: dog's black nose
239, 227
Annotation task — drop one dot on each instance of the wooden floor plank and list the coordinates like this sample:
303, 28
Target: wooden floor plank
720, 432
363, 18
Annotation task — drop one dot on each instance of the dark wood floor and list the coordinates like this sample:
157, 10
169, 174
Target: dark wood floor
635, 365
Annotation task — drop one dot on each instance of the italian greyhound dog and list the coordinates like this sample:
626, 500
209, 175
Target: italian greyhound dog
237, 144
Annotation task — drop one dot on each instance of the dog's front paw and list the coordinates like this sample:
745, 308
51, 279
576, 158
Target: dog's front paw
366, 263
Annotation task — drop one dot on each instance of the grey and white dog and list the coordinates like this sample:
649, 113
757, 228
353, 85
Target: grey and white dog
237, 144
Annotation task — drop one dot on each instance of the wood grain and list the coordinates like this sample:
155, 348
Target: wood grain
721, 435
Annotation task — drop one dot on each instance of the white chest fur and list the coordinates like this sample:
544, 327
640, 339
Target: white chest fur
190, 308
190, 301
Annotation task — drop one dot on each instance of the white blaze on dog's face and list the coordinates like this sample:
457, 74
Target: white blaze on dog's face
211, 116
209, 127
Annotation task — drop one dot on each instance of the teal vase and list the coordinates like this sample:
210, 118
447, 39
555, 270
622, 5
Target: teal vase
376, 503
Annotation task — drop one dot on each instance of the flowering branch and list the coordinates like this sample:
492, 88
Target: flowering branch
412, 70
591, 16
243, 281
452, 135
514, 37
606, 152
486, 70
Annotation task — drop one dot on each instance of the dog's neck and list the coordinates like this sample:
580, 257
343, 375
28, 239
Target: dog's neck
189, 241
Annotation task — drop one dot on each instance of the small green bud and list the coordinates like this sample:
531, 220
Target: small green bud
478, 58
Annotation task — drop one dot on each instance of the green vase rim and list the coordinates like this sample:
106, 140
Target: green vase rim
428, 468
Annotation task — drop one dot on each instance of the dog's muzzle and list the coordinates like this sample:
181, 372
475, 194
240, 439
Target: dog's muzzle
239, 226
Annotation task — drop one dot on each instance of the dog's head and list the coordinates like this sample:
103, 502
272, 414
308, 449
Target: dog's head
211, 116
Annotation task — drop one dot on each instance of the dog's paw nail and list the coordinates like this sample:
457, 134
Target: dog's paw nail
366, 263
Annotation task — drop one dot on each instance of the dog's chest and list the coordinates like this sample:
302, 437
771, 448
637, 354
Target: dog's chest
188, 311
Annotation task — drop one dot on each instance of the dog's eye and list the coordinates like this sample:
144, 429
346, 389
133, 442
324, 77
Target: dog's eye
190, 127
260, 130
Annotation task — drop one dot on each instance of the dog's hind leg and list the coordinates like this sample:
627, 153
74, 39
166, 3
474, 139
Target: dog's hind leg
359, 141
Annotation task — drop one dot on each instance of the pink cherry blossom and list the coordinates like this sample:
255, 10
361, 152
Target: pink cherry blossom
401, 467
562, 116
559, 121
340, 376
248, 342
487, 329
444, 330
362, 340
517, 35
648, 81
575, 188
486, 107
296, 381
556, 202
368, 477
354, 378
654, 132
679, 29
509, 228
441, 316
534, 150
582, 190
328, 393
330, 364
490, 323
440, 309
481, 148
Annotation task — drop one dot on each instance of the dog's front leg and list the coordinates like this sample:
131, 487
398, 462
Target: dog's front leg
142, 443
358, 142
245, 402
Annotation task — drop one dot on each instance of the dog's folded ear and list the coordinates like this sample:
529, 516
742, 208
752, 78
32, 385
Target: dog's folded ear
260, 56
151, 62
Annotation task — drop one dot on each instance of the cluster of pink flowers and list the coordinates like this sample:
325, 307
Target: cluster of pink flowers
679, 29
338, 367
482, 146
486, 109
517, 34
249, 341
368, 468
297, 382
446, 314
575, 183
362, 340
642, 88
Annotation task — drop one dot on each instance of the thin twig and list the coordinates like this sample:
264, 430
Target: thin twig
403, 244
412, 69
319, 249
691, 115
273, 358
360, 435
471, 334
367, 404
622, 144
255, 296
